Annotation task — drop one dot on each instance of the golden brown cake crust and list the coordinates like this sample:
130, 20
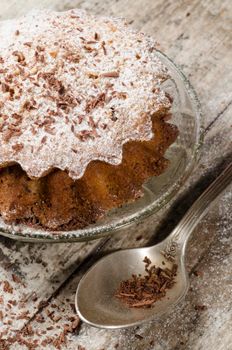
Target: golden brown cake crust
56, 202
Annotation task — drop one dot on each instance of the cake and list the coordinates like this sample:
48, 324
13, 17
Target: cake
83, 117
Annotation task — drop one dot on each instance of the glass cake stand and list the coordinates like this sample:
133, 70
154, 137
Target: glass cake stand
158, 191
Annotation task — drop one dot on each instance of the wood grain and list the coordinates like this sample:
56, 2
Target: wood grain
209, 254
197, 35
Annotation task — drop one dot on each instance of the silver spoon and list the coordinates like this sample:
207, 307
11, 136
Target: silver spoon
95, 301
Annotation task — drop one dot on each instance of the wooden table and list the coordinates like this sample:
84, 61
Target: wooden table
38, 281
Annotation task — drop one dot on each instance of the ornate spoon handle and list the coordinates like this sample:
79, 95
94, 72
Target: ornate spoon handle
201, 206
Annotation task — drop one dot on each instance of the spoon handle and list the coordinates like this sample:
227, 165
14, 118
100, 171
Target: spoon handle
200, 207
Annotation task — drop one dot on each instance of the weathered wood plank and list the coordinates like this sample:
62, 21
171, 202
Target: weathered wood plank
33, 273
209, 252
200, 43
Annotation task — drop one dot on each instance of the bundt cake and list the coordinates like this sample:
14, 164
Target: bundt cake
83, 117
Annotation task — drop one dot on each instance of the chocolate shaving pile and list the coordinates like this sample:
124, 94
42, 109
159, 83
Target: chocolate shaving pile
144, 291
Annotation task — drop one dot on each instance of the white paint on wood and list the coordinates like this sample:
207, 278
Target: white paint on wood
198, 36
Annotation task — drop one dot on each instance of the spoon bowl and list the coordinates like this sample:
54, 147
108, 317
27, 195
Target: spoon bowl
95, 300
96, 303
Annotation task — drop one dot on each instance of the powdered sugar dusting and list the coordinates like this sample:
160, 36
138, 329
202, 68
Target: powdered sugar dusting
74, 88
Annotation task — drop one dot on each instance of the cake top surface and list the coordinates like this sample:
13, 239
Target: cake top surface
74, 88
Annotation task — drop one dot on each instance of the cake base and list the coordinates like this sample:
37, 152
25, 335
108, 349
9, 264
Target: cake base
57, 202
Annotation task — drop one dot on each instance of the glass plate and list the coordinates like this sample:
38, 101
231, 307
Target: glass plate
183, 155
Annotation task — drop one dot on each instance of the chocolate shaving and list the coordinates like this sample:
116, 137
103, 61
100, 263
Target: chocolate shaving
7, 288
91, 42
72, 57
11, 132
110, 75
98, 101
29, 44
92, 75
143, 291
138, 336
74, 16
40, 48
200, 307
120, 95
80, 119
16, 278
104, 48
88, 48
104, 126
5, 88
29, 105
17, 147
92, 123
50, 130
44, 139
20, 56
198, 273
